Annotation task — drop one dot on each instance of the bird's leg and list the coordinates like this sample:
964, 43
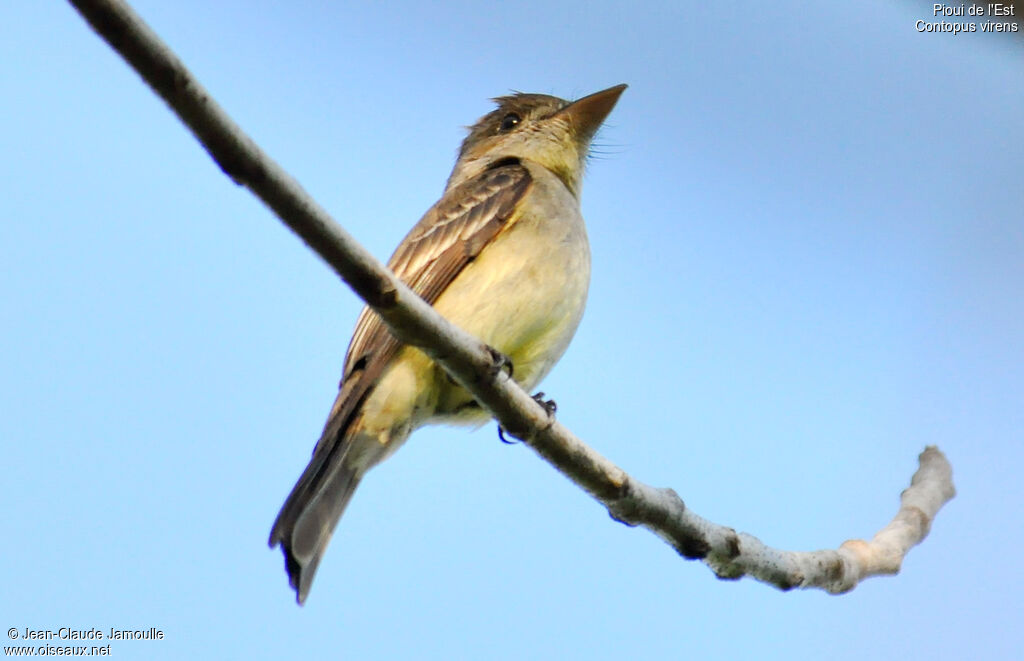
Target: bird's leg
499, 362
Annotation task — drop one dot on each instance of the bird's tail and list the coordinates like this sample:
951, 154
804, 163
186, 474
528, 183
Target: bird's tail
306, 522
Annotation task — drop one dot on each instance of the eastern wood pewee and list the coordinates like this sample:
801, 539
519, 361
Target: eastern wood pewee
504, 256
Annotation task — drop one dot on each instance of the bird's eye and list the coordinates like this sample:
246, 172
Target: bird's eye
509, 122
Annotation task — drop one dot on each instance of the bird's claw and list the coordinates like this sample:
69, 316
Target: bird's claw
499, 362
549, 404
550, 407
503, 439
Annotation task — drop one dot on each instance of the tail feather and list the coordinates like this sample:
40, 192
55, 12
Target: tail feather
309, 515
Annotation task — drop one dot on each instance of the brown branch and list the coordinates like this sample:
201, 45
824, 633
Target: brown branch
468, 361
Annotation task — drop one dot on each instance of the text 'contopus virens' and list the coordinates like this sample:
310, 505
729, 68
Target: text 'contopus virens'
504, 256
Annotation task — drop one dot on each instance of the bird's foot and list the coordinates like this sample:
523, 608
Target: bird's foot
550, 407
499, 362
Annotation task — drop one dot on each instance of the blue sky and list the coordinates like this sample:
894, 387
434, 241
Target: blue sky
807, 225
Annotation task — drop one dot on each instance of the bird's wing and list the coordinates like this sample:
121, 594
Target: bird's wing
448, 237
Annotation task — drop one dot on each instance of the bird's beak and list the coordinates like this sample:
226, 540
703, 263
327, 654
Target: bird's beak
586, 114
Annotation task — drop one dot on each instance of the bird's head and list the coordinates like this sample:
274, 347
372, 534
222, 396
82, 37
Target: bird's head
536, 127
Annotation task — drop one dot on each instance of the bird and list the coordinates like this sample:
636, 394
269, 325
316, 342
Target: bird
503, 255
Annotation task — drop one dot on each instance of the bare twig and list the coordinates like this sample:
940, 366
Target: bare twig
729, 554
